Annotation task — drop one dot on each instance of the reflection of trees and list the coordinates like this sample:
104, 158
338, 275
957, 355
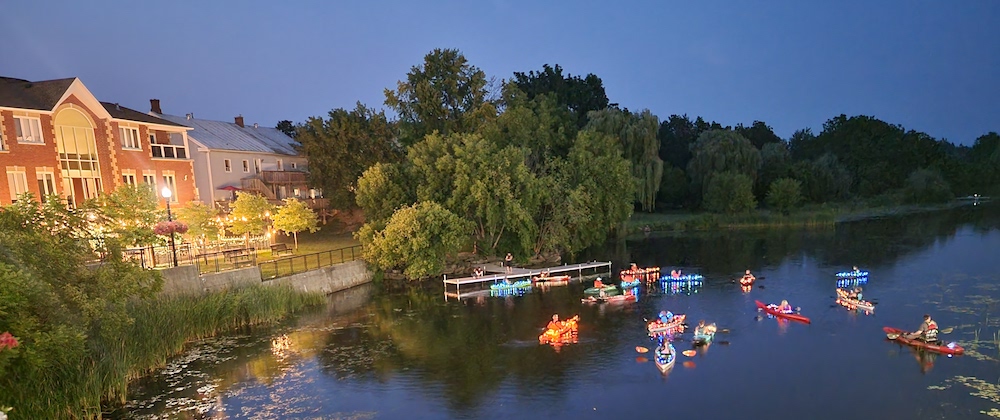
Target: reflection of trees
867, 242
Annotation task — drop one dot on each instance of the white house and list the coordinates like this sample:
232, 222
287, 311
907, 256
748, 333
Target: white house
231, 156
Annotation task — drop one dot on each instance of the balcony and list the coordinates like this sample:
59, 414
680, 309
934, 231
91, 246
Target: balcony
168, 151
284, 177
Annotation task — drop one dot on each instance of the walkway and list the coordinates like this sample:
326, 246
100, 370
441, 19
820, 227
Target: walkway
499, 274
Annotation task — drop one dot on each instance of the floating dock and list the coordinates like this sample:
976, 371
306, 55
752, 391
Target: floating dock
497, 273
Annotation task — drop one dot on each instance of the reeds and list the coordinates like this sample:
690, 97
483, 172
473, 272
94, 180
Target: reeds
122, 350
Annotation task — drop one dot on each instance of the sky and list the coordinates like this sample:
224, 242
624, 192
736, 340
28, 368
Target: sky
931, 66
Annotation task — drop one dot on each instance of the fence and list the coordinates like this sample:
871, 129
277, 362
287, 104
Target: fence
302, 263
160, 256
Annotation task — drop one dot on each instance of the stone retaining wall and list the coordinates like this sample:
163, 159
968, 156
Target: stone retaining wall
184, 280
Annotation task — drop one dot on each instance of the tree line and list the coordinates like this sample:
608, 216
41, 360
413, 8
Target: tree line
543, 162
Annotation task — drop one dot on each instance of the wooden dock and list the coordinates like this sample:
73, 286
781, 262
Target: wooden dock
498, 273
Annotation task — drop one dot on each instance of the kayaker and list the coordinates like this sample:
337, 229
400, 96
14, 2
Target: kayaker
785, 307
598, 283
700, 329
856, 270
554, 324
675, 274
666, 316
928, 331
748, 276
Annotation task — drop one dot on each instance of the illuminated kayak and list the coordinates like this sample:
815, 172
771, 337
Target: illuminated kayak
665, 357
566, 334
939, 347
625, 285
610, 299
520, 284
551, 280
704, 336
774, 311
852, 274
635, 271
747, 281
676, 324
844, 299
609, 289
684, 278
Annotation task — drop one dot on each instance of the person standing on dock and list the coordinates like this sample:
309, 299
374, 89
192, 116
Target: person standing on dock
508, 259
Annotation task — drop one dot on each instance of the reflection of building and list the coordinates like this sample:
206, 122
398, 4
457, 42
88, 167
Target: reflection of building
57, 138
231, 156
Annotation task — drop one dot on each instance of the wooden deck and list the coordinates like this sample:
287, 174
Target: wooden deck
498, 273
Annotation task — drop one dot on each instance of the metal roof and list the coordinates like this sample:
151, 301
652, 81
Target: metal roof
219, 135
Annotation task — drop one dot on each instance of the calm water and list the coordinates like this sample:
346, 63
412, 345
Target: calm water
408, 353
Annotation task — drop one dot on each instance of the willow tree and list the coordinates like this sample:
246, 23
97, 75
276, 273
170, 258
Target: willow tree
637, 135
718, 151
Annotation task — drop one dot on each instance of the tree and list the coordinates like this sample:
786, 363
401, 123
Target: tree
677, 134
202, 220
776, 163
719, 151
729, 192
579, 95
927, 186
287, 127
127, 213
803, 145
673, 187
341, 147
381, 190
416, 239
784, 194
759, 134
250, 214
824, 179
295, 216
444, 94
637, 135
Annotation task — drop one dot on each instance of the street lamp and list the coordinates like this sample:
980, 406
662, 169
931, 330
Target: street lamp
166, 193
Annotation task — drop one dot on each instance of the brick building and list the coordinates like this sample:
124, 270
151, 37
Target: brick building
57, 138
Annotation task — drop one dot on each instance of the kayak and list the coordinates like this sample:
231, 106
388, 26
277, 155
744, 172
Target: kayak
610, 299
844, 299
746, 281
515, 285
852, 274
551, 281
700, 339
665, 357
779, 314
609, 289
566, 334
939, 347
676, 324
629, 284
684, 278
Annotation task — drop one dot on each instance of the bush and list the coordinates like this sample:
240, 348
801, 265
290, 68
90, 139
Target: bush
784, 194
729, 192
927, 186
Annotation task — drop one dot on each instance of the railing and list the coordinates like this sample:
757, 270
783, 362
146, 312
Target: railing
168, 151
161, 256
228, 259
254, 184
284, 177
302, 263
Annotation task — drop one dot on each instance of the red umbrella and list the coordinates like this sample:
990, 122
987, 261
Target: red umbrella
231, 188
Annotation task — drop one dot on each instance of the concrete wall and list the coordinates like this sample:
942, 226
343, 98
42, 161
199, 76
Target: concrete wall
184, 280
328, 279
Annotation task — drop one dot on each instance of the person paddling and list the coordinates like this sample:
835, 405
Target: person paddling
554, 324
785, 307
928, 331
747, 278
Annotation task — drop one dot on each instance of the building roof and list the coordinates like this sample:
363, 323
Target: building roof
122, 113
219, 135
43, 96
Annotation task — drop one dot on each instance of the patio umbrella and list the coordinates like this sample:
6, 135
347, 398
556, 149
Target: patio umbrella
232, 189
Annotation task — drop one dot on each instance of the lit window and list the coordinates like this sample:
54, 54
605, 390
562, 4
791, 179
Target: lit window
29, 130
130, 137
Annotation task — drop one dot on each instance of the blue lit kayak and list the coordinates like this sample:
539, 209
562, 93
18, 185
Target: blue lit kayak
520, 284
685, 278
665, 357
852, 274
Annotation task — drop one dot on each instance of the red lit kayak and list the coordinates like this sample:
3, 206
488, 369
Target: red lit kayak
950, 348
779, 314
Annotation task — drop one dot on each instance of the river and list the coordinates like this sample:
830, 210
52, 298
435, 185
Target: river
408, 353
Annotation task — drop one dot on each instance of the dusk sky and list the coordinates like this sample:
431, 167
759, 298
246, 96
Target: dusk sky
931, 66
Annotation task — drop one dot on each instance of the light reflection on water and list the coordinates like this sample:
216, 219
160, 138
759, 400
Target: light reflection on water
409, 353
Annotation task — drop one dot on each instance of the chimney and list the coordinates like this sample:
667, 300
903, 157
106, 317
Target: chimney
154, 106
190, 116
255, 125
239, 121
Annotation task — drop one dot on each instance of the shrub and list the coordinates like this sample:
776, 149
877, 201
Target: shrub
729, 192
927, 186
784, 194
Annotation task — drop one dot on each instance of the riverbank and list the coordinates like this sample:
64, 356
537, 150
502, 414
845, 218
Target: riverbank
816, 216
122, 350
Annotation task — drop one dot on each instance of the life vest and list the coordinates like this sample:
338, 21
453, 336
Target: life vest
555, 325
930, 334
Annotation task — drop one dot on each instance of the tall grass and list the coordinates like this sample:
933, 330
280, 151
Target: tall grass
121, 351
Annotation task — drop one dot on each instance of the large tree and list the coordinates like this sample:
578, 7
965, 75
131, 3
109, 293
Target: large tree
127, 213
636, 132
445, 94
579, 95
250, 214
342, 146
416, 239
287, 127
677, 134
759, 134
719, 151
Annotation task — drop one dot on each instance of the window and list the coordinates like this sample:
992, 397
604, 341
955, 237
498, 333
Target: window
149, 178
229, 165
128, 179
246, 166
46, 184
152, 138
171, 182
280, 167
130, 137
294, 165
29, 130
256, 165
17, 181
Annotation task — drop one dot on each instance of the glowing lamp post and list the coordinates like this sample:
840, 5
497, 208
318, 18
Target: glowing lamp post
166, 193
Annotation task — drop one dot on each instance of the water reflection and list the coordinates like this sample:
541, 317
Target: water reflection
406, 352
